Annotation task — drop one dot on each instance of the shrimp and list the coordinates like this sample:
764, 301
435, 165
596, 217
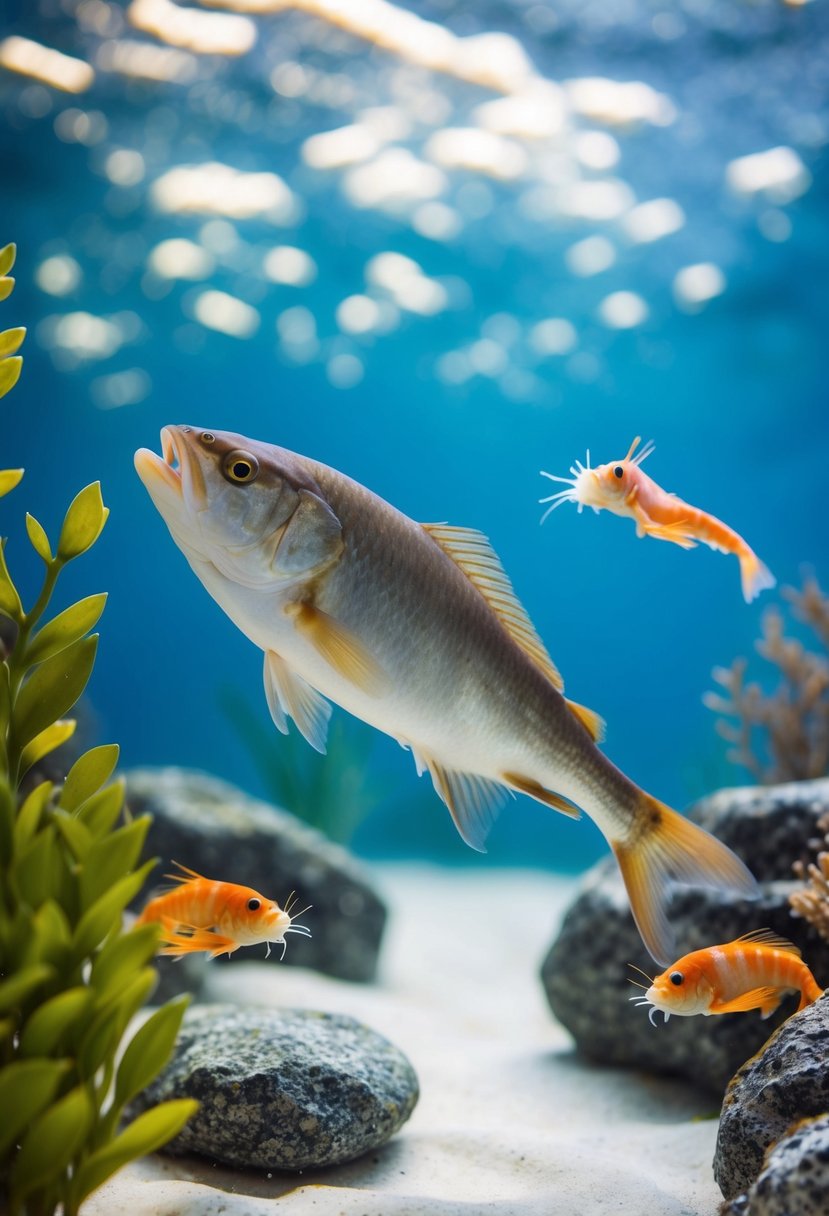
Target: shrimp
623, 488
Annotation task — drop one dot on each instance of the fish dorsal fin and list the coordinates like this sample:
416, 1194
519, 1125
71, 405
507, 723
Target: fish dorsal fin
185, 875
473, 801
472, 552
590, 720
767, 937
290, 697
757, 998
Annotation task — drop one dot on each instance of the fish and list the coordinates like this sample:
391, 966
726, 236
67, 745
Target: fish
415, 629
620, 486
202, 914
755, 971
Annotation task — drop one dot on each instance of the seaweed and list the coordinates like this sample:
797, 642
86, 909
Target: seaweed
782, 735
71, 979
811, 902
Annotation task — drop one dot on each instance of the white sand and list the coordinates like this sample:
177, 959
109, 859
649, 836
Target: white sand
509, 1120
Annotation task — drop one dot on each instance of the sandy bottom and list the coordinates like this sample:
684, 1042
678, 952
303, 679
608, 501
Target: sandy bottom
509, 1120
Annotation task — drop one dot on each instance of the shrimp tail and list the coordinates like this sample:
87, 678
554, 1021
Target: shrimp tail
756, 577
666, 848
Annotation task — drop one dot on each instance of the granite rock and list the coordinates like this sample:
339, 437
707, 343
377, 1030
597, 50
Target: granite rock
781, 1085
284, 1089
219, 831
585, 973
794, 1180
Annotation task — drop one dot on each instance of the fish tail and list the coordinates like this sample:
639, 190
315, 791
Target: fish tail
756, 576
667, 848
810, 991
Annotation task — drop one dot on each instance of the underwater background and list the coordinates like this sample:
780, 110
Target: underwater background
447, 296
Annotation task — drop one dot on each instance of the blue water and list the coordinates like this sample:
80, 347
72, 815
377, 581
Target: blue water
734, 395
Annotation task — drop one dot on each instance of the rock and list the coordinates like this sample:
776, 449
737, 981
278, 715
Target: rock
284, 1089
794, 1180
585, 973
785, 1083
217, 830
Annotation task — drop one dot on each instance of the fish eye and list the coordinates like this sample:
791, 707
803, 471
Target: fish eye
240, 467
676, 977
254, 905
618, 471
206, 437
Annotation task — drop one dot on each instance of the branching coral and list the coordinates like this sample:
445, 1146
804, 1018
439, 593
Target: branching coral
782, 735
812, 901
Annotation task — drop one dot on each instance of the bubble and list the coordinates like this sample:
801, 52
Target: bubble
58, 275
344, 371
623, 310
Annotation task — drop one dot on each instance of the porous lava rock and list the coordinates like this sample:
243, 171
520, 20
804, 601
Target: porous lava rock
794, 1180
284, 1089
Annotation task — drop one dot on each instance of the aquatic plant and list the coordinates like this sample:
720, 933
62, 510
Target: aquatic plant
781, 735
812, 900
71, 979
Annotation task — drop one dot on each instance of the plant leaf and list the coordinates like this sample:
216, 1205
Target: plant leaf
148, 1051
50, 1022
77, 837
37, 869
105, 914
7, 255
121, 957
146, 1134
11, 340
83, 522
6, 288
111, 857
46, 742
9, 599
51, 1142
89, 772
50, 934
9, 368
53, 688
15, 990
100, 812
29, 815
39, 539
9, 478
26, 1087
64, 629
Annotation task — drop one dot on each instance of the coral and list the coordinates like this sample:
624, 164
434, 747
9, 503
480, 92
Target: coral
70, 978
781, 735
812, 901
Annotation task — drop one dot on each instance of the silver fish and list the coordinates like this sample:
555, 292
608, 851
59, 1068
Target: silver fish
414, 628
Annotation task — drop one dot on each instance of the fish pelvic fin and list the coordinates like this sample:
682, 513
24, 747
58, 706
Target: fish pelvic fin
339, 647
528, 786
590, 720
754, 575
194, 941
471, 551
290, 696
473, 801
764, 999
664, 848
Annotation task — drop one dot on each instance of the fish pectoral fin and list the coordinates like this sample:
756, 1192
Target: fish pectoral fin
471, 551
339, 647
288, 694
527, 785
676, 533
764, 999
590, 720
473, 801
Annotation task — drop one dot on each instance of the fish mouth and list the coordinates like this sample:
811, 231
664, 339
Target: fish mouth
174, 477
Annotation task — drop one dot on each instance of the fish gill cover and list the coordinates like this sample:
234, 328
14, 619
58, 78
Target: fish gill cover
438, 248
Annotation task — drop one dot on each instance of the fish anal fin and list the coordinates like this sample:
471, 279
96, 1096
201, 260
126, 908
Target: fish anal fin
473, 801
767, 937
764, 999
471, 551
288, 694
590, 720
527, 785
339, 647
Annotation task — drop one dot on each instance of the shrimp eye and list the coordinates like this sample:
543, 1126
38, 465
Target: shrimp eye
240, 467
254, 905
206, 437
618, 471
676, 977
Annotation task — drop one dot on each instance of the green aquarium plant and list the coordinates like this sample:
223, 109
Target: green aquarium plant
71, 978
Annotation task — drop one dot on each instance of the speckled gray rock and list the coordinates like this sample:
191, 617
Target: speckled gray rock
585, 973
786, 1082
794, 1180
214, 828
284, 1089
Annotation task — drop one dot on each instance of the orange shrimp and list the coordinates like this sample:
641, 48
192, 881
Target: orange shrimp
200, 914
621, 487
752, 972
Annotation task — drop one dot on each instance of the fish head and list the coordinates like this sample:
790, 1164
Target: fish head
257, 919
609, 485
229, 501
683, 989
